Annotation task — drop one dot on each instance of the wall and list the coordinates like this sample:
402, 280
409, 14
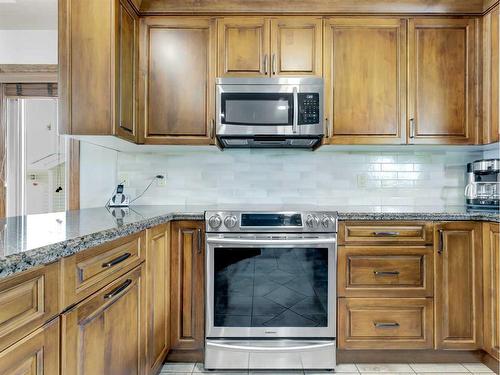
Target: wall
28, 46
337, 178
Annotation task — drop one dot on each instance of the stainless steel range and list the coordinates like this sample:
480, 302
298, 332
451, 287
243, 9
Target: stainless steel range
271, 293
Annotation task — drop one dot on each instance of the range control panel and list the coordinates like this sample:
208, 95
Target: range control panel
308, 108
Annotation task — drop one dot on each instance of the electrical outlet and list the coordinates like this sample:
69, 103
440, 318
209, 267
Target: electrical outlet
124, 179
161, 182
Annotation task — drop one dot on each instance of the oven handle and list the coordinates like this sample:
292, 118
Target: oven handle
268, 348
295, 127
239, 241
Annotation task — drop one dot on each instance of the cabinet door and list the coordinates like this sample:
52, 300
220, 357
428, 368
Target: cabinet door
491, 76
178, 76
158, 295
127, 64
296, 45
365, 80
491, 269
243, 47
442, 92
36, 354
187, 291
458, 285
104, 334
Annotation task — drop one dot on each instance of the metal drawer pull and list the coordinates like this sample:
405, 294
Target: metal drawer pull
385, 324
385, 234
115, 261
199, 242
118, 290
441, 242
385, 273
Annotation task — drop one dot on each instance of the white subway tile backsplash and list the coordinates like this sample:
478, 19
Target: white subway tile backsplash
383, 180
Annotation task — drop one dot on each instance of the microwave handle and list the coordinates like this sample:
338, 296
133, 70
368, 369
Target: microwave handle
295, 127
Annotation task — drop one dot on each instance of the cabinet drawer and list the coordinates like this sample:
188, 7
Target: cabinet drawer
384, 271
86, 272
380, 232
27, 301
385, 323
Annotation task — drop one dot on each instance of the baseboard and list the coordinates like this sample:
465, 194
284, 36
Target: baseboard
187, 356
491, 362
409, 356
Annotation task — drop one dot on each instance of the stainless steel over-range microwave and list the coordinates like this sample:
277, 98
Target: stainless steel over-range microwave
269, 112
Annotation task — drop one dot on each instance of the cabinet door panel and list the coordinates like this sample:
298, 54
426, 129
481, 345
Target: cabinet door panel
491, 248
442, 81
187, 291
365, 80
491, 77
458, 285
177, 62
36, 354
105, 333
243, 47
296, 44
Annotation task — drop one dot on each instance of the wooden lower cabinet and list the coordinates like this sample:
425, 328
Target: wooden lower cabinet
36, 354
187, 291
158, 296
104, 334
491, 278
458, 285
385, 323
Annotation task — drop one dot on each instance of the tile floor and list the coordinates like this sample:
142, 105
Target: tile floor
364, 369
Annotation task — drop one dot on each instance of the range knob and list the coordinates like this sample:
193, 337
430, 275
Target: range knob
325, 221
230, 221
215, 221
312, 221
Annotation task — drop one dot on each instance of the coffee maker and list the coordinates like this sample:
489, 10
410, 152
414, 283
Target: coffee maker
483, 185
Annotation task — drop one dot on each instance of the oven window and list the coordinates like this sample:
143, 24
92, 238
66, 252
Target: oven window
257, 109
271, 287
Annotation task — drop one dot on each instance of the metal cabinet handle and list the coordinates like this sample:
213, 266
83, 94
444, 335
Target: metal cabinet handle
265, 64
386, 324
273, 63
199, 241
386, 273
117, 260
412, 128
385, 234
212, 131
118, 290
327, 124
441, 242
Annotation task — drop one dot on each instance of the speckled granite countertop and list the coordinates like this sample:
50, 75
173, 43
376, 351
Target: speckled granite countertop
32, 240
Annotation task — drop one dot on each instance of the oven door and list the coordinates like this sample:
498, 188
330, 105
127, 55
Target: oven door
271, 286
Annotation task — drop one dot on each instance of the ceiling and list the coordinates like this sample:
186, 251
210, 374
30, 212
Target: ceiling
28, 14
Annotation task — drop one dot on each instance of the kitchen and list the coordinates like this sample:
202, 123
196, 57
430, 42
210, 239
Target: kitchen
252, 187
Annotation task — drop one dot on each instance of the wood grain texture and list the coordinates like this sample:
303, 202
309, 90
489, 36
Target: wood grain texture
385, 271
74, 175
105, 334
158, 296
488, 4
3, 154
312, 6
178, 79
491, 279
359, 318
365, 80
187, 291
28, 300
491, 76
296, 46
458, 285
35, 354
243, 46
85, 273
443, 98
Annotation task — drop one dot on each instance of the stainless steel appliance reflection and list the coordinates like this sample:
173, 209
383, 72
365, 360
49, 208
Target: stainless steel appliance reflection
271, 294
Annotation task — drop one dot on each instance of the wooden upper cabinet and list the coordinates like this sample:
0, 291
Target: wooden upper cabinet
443, 100
296, 46
178, 75
458, 285
97, 68
365, 80
243, 47
491, 76
491, 278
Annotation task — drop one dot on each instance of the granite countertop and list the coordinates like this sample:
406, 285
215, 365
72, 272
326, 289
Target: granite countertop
29, 241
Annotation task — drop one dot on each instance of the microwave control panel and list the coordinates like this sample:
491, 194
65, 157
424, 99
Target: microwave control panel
308, 108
